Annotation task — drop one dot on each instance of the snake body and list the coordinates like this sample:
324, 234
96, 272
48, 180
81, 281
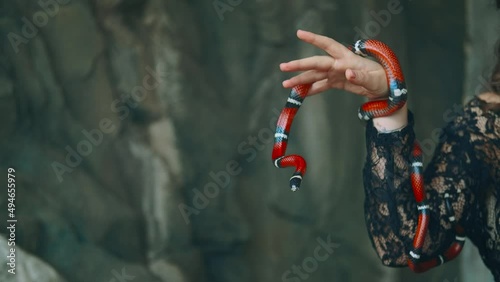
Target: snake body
293, 103
379, 108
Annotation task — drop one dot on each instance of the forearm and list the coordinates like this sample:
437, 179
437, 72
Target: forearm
389, 204
394, 122
390, 208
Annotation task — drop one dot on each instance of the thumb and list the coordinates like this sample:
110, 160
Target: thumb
357, 77
369, 81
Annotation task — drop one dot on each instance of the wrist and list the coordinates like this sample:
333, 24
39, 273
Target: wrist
395, 122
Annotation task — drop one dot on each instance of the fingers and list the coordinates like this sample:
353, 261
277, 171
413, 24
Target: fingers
356, 89
332, 47
319, 87
320, 63
305, 78
325, 84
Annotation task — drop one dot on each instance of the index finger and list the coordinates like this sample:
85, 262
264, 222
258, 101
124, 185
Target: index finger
332, 47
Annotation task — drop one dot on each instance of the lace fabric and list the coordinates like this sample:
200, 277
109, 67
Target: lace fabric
465, 165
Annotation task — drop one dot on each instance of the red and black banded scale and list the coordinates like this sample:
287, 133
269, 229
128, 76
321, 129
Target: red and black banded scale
293, 103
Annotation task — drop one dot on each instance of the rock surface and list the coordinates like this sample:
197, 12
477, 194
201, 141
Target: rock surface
27, 266
141, 134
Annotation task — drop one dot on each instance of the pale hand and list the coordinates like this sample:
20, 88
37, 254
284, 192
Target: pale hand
342, 69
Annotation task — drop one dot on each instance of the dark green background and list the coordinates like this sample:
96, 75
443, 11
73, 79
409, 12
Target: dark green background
211, 112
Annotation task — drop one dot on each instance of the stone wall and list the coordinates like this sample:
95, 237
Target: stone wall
141, 135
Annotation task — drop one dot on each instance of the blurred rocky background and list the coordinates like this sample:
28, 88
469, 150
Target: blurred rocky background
141, 136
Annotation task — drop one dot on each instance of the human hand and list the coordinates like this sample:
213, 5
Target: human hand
342, 69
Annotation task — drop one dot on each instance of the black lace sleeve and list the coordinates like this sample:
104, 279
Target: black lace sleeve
390, 209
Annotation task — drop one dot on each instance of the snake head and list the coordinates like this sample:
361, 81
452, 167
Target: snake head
295, 181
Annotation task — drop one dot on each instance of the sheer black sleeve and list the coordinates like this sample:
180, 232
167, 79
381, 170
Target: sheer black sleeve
390, 209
